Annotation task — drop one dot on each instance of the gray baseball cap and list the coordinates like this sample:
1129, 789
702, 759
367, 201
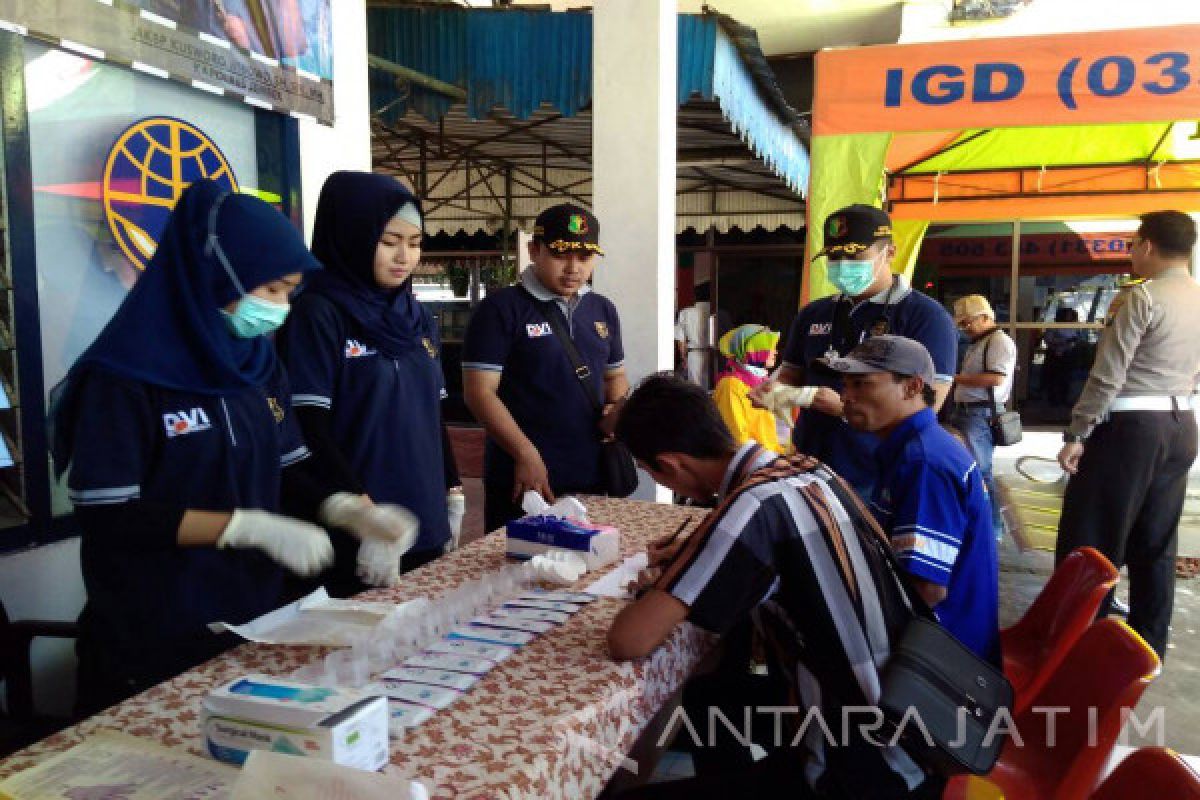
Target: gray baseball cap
886, 353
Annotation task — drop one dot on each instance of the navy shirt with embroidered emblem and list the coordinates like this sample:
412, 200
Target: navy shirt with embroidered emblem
136, 441
509, 334
932, 502
386, 412
836, 324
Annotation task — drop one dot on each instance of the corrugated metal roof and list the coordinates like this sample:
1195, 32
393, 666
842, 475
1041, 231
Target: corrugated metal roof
723, 121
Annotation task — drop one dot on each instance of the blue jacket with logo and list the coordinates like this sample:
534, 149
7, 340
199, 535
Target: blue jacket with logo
149, 600
837, 324
509, 334
386, 412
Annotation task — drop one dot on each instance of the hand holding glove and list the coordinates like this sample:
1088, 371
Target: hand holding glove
358, 516
300, 546
456, 509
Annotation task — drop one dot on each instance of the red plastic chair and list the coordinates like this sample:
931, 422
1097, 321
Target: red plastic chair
1035, 646
1153, 772
1107, 670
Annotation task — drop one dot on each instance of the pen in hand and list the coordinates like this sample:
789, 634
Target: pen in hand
659, 553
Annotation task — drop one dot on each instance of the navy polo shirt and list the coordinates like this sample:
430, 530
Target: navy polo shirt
212, 452
509, 334
836, 323
932, 502
386, 412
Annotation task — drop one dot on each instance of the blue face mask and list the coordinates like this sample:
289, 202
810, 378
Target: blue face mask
851, 277
255, 317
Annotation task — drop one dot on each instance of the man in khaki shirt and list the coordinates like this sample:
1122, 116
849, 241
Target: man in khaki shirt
1132, 437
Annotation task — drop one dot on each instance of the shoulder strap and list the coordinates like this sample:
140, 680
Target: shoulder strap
991, 389
582, 371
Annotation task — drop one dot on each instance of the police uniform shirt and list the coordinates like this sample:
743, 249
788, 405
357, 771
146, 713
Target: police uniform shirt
386, 412
835, 324
136, 441
509, 334
932, 502
1150, 349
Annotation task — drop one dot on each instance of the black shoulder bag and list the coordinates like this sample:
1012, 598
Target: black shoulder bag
1005, 425
618, 473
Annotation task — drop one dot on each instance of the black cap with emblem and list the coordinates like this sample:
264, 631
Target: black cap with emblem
850, 230
565, 228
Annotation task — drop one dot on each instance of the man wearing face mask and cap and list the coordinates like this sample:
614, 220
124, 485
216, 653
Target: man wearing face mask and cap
871, 301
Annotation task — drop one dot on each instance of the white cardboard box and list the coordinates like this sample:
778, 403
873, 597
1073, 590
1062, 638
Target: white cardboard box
259, 712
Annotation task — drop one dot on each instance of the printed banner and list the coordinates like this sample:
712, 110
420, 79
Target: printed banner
274, 54
1137, 75
1036, 248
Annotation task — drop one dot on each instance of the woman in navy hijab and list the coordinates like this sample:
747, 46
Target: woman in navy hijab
362, 353
182, 449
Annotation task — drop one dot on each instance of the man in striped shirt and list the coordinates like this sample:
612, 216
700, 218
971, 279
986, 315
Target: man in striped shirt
788, 546
930, 498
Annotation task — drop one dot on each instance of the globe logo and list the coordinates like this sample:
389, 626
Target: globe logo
148, 167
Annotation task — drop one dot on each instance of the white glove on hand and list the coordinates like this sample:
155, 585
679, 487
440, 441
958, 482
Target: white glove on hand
782, 398
456, 509
300, 546
355, 514
379, 563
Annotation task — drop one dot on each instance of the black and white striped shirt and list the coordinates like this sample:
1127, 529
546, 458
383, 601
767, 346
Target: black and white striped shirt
789, 545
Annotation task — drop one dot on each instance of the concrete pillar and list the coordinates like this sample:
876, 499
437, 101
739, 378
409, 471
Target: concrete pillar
633, 176
633, 141
346, 145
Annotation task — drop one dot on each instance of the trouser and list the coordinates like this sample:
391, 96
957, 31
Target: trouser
724, 766
975, 424
1126, 500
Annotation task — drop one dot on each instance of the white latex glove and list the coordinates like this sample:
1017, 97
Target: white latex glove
456, 509
379, 563
782, 398
358, 516
300, 546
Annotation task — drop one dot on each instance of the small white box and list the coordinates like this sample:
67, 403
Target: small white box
258, 712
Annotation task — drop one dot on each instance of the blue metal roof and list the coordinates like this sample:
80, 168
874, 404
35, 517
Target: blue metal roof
520, 59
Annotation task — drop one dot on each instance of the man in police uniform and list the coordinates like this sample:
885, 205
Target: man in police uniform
519, 382
873, 301
1132, 438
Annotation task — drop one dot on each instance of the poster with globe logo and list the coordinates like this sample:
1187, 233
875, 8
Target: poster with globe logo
148, 167
272, 54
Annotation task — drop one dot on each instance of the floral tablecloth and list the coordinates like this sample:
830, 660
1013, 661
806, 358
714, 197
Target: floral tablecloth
555, 720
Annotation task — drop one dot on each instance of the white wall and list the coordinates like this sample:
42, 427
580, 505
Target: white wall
45, 583
347, 145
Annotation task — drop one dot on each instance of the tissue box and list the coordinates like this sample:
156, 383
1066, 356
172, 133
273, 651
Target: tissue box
258, 712
597, 545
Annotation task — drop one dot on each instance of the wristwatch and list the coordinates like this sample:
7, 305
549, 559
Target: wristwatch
1072, 438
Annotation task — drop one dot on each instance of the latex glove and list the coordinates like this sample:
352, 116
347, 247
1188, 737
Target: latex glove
364, 520
781, 399
379, 563
456, 509
300, 546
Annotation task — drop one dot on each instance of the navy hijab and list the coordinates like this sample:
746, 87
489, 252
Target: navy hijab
352, 212
169, 331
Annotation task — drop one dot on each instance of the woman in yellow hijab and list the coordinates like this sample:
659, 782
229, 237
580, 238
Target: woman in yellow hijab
749, 352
